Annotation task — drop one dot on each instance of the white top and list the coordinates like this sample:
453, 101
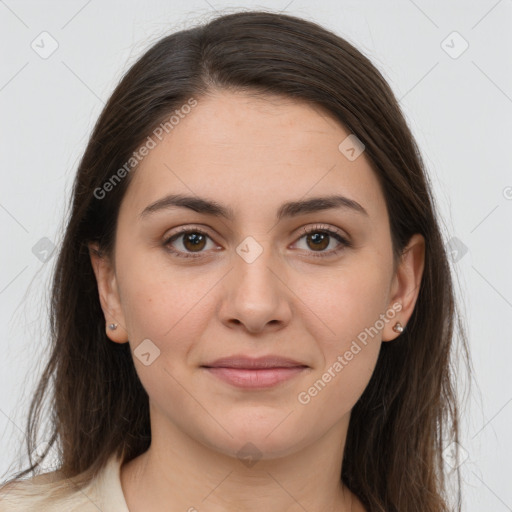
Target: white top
103, 493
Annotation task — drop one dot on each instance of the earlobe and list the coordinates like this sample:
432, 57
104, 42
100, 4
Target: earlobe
108, 294
406, 286
398, 327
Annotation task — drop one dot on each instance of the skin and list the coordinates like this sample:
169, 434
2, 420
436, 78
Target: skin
242, 152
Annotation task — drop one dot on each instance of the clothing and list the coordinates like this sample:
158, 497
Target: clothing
104, 493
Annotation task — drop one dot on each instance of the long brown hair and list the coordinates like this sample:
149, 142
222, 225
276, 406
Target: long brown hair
409, 411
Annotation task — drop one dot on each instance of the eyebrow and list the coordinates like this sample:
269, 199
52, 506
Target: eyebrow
286, 210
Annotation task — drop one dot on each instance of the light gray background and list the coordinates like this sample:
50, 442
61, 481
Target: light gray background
459, 108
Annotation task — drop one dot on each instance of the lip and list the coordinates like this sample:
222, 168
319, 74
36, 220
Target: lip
255, 373
251, 363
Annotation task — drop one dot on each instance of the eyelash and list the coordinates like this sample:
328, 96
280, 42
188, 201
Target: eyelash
307, 230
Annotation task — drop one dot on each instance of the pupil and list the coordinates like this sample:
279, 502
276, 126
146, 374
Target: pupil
319, 237
194, 238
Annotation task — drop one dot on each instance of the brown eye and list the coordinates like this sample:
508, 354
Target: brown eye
318, 240
193, 242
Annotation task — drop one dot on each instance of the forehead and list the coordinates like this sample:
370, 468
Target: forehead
253, 152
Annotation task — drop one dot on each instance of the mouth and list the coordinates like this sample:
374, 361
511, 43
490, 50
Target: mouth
255, 378
255, 373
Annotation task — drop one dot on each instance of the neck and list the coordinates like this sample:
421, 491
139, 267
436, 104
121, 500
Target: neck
178, 471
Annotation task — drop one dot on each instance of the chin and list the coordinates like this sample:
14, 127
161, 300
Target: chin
270, 439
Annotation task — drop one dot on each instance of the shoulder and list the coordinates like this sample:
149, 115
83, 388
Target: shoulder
53, 493
42, 492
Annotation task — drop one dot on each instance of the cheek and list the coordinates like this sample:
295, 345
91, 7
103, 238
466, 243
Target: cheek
170, 314
348, 336
350, 368
345, 304
161, 302
348, 362
335, 391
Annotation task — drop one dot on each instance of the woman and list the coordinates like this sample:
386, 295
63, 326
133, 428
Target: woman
252, 305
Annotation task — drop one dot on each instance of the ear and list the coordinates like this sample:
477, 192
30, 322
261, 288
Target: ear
108, 294
406, 285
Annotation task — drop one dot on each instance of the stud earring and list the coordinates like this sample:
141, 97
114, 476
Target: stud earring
112, 327
398, 327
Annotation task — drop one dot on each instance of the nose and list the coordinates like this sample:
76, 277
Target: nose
255, 296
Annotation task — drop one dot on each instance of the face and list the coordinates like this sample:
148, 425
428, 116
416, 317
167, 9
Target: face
313, 284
